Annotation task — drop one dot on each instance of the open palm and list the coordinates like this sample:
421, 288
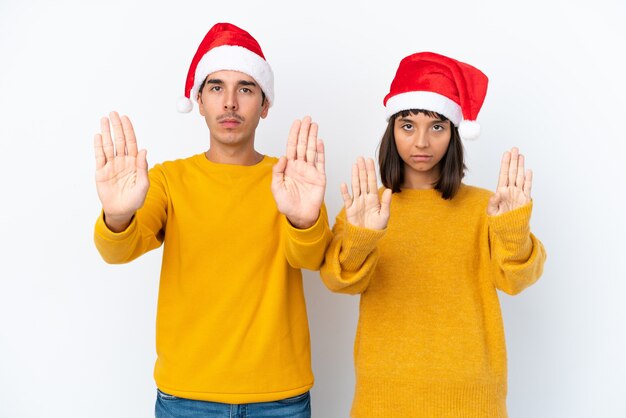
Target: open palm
299, 178
121, 170
364, 208
514, 184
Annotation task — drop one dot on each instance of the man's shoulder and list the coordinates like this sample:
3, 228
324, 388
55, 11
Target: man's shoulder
270, 159
177, 164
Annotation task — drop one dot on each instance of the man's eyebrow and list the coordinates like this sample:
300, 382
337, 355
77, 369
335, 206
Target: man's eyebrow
239, 83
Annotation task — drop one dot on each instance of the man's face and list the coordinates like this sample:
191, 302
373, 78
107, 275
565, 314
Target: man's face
232, 105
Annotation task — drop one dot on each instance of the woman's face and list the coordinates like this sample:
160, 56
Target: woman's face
422, 141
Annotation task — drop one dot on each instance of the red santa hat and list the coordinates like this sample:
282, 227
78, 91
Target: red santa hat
227, 47
440, 84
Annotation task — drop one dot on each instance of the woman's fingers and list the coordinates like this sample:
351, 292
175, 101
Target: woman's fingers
513, 166
362, 175
385, 202
528, 183
493, 204
356, 187
347, 200
372, 186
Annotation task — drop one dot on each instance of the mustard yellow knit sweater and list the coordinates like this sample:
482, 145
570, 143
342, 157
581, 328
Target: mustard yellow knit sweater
430, 340
231, 319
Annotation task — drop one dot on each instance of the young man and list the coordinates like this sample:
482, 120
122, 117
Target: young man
232, 330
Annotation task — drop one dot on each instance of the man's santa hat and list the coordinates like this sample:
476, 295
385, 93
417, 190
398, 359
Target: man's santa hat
440, 84
227, 47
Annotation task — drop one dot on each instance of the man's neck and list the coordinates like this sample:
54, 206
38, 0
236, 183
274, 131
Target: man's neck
233, 155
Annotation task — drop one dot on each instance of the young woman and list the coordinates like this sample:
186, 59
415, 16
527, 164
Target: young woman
430, 339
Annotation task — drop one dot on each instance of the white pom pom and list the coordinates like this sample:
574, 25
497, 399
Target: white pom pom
469, 129
184, 105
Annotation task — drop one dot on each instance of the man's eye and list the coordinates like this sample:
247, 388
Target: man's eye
216, 88
245, 90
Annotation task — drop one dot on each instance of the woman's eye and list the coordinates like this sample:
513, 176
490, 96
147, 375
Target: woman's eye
407, 126
438, 128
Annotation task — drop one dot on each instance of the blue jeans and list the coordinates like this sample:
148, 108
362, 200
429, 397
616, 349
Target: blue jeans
168, 406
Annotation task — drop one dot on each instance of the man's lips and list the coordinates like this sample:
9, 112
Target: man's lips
229, 122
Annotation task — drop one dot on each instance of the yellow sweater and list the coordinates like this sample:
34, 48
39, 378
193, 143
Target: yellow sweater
430, 339
231, 320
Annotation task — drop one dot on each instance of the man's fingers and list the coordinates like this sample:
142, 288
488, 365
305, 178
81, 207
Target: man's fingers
129, 134
142, 161
279, 167
107, 142
142, 167
292, 140
303, 135
320, 162
372, 185
311, 146
118, 133
99, 151
278, 174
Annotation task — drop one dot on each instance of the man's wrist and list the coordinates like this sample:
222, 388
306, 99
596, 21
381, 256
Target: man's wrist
117, 223
302, 223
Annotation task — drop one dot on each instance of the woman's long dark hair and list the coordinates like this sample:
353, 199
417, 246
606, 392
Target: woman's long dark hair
452, 165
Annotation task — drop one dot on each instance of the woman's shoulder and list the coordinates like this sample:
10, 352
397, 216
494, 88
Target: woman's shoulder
474, 194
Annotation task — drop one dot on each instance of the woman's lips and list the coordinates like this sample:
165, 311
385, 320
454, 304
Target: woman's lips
421, 158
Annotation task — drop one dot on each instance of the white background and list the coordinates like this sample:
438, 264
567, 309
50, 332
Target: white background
77, 335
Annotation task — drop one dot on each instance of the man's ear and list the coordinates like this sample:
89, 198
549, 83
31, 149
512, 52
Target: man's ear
265, 107
199, 100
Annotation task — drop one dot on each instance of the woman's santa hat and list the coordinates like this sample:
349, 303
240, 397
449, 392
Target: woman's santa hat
440, 84
227, 47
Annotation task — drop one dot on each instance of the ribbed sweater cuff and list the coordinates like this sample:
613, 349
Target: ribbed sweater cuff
357, 244
309, 235
103, 231
512, 226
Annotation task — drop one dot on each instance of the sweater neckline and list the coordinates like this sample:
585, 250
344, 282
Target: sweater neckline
204, 162
424, 194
